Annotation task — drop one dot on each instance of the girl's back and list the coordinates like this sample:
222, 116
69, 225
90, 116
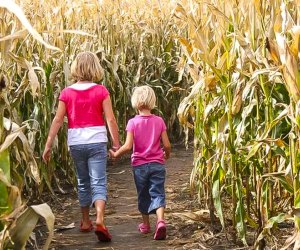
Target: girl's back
147, 130
84, 104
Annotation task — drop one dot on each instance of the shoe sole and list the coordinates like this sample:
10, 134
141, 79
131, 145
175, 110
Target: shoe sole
160, 233
102, 236
144, 232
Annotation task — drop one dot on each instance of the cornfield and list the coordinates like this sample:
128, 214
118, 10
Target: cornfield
226, 73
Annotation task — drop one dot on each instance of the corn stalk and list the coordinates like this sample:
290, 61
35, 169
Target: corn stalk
251, 53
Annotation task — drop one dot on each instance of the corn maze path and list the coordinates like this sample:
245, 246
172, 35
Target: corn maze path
186, 227
122, 216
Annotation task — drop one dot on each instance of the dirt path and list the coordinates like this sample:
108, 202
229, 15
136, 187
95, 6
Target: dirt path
122, 216
188, 223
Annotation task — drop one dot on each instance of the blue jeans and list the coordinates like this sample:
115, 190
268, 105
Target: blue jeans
90, 164
150, 185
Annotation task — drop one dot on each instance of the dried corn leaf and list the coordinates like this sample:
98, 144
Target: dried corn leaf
14, 8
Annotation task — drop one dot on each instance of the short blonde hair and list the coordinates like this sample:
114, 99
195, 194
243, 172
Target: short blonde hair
86, 67
143, 97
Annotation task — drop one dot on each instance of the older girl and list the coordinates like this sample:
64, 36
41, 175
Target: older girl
84, 104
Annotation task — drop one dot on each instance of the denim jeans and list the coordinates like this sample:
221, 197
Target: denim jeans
90, 164
150, 185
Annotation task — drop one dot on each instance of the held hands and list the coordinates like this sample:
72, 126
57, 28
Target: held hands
112, 152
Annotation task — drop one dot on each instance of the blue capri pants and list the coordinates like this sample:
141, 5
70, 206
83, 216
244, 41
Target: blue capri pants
90, 165
149, 180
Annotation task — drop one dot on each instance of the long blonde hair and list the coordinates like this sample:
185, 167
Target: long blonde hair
86, 67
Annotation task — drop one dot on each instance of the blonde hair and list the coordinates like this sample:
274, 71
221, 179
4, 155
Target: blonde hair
143, 97
86, 67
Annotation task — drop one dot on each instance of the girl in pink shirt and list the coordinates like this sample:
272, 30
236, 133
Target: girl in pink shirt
85, 103
145, 132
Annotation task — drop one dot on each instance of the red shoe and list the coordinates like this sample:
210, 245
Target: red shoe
86, 230
161, 230
102, 233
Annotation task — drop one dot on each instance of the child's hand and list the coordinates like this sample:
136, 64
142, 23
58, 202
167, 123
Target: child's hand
112, 154
47, 154
166, 156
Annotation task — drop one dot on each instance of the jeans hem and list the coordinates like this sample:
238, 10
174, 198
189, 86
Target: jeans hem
99, 198
152, 211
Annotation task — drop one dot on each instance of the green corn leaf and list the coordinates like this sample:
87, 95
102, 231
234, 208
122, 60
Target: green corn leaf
218, 176
254, 149
240, 214
270, 224
5, 168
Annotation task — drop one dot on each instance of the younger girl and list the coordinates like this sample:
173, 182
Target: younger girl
145, 132
84, 103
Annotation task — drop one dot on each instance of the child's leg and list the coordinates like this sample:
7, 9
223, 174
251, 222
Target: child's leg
157, 193
100, 209
146, 220
144, 227
144, 199
97, 160
140, 174
160, 213
85, 211
157, 189
101, 230
78, 154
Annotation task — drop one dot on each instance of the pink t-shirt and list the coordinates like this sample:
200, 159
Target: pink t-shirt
84, 107
147, 132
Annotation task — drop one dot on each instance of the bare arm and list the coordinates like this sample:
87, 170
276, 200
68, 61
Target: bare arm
55, 126
166, 144
111, 122
125, 148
